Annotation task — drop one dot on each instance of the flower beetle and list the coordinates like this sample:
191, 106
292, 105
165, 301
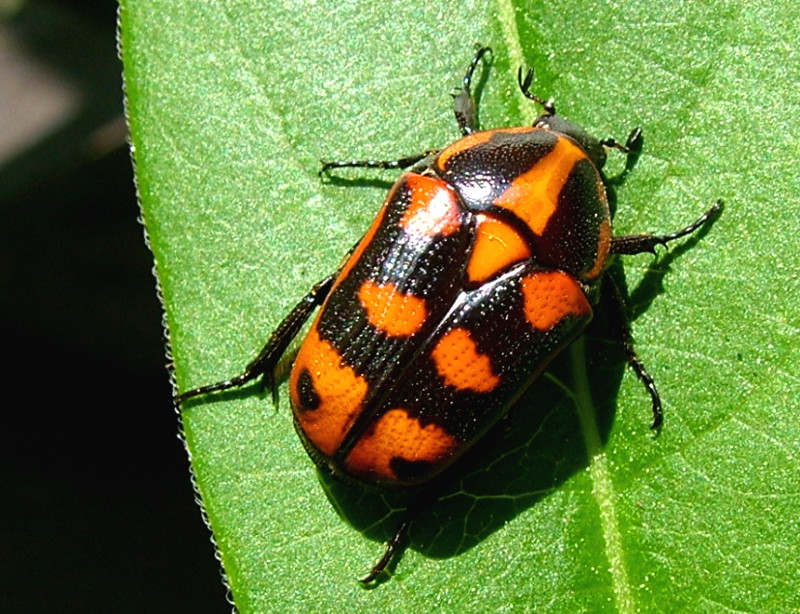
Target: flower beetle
485, 261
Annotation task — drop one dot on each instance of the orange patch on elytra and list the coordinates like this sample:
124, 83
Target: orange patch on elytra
551, 296
390, 311
396, 434
533, 196
460, 364
340, 390
497, 246
603, 249
433, 210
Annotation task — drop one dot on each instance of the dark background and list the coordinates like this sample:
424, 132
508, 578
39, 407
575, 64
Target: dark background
97, 513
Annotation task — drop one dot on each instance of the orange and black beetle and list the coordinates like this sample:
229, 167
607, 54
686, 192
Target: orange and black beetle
484, 262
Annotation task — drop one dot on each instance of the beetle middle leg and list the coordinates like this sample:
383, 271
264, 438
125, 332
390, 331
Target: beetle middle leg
639, 243
613, 299
406, 162
466, 116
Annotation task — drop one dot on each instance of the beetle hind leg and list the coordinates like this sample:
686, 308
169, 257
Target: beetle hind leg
396, 543
264, 364
616, 310
393, 546
636, 244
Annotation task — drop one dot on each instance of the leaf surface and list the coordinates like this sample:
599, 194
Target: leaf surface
574, 506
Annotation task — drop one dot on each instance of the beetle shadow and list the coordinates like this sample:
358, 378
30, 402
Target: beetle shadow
528, 455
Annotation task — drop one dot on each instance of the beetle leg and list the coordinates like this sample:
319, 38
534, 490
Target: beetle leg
264, 364
636, 244
399, 163
466, 116
463, 103
632, 147
421, 500
616, 310
392, 547
549, 105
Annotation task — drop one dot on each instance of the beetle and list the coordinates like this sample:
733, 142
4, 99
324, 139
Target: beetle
486, 260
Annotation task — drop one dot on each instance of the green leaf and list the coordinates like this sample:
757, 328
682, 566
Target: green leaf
574, 507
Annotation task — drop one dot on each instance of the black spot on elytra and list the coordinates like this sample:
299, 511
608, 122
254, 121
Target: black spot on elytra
309, 399
409, 471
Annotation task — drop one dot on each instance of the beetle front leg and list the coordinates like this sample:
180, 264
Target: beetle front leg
264, 364
632, 149
524, 80
463, 103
